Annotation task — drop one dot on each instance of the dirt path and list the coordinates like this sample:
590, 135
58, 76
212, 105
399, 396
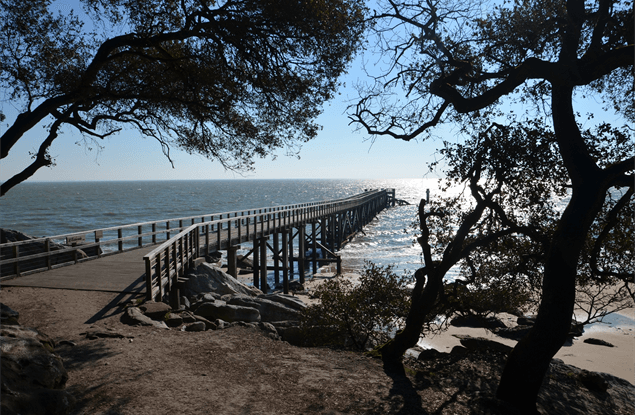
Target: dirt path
148, 371
153, 371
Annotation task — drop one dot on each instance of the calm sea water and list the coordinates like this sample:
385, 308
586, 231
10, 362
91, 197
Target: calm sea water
46, 209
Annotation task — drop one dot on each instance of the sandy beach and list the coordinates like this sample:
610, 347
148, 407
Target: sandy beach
617, 329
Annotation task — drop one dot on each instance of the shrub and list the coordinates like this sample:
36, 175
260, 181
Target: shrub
358, 314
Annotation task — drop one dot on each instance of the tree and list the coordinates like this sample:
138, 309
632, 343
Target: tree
460, 63
230, 80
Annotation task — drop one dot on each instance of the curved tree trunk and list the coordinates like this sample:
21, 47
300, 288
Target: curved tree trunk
423, 301
529, 361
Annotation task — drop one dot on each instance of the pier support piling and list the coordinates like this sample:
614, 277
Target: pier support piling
232, 266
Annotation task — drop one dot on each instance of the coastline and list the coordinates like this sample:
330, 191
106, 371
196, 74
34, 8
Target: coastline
618, 360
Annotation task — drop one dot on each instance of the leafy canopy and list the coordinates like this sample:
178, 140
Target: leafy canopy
231, 80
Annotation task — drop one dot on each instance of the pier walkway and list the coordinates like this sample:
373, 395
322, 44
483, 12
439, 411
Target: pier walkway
129, 258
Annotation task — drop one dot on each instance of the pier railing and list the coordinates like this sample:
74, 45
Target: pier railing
41, 254
175, 256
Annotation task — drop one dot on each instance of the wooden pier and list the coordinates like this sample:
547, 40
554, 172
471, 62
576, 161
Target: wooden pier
295, 237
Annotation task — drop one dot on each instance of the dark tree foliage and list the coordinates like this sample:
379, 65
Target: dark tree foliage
231, 80
360, 313
468, 64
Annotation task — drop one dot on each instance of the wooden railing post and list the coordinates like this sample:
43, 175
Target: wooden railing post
16, 255
149, 280
47, 248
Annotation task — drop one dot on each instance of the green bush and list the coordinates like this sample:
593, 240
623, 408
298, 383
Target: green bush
358, 315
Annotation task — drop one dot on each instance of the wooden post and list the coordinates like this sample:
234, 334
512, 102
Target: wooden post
291, 268
16, 255
139, 232
323, 226
256, 262
263, 265
120, 242
302, 253
314, 247
158, 274
331, 236
154, 233
232, 267
167, 227
148, 281
285, 261
207, 239
47, 248
276, 258
167, 263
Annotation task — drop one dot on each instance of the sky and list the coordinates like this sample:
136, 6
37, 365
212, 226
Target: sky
338, 152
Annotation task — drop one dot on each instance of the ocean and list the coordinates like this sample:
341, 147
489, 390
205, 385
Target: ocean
54, 208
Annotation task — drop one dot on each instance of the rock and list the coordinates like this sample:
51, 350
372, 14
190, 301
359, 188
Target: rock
8, 316
187, 317
221, 324
514, 333
227, 312
20, 332
269, 330
477, 322
154, 310
207, 278
208, 324
214, 257
269, 310
526, 321
599, 342
286, 299
210, 297
480, 343
458, 351
185, 302
134, 316
33, 378
593, 381
295, 286
98, 333
244, 262
198, 326
576, 329
431, 354
174, 320
289, 331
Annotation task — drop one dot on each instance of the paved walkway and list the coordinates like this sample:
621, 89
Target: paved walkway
120, 273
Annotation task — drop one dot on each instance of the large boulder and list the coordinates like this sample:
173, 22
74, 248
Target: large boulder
32, 376
8, 316
208, 278
269, 310
286, 299
134, 316
227, 312
155, 310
